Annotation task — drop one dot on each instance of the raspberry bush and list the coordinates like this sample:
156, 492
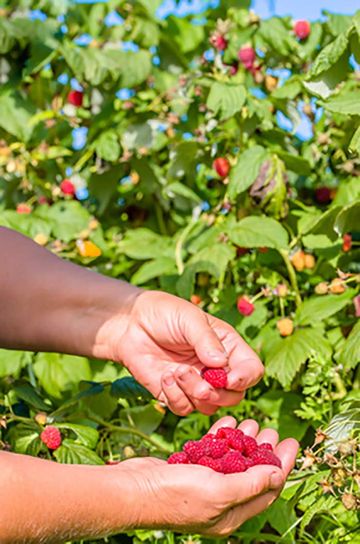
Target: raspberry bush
215, 157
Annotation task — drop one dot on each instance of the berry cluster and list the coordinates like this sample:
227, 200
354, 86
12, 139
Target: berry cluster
227, 451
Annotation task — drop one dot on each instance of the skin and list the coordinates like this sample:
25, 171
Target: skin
164, 341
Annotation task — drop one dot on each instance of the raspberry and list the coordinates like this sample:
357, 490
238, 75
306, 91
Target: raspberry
67, 187
178, 458
75, 98
265, 446
323, 195
228, 433
236, 442
321, 288
247, 57
285, 326
215, 448
232, 462
337, 286
309, 260
302, 29
221, 166
216, 377
194, 450
264, 457
298, 260
215, 464
250, 445
51, 437
347, 242
23, 208
218, 41
195, 299
244, 306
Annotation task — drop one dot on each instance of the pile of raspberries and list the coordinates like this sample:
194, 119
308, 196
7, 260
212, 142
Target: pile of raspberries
227, 451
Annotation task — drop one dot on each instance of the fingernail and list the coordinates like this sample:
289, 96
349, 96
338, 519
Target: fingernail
169, 379
276, 480
184, 375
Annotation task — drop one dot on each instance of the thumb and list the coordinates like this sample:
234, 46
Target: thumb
255, 481
199, 334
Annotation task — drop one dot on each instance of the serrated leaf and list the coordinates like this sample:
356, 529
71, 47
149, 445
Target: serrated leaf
245, 171
87, 436
129, 388
329, 55
11, 362
346, 103
259, 231
68, 219
26, 392
219, 255
59, 373
226, 99
15, 115
186, 282
107, 146
349, 356
324, 503
142, 244
24, 438
76, 454
154, 269
354, 145
342, 425
348, 220
295, 163
289, 354
316, 309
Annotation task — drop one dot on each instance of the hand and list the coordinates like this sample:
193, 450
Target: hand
195, 499
167, 341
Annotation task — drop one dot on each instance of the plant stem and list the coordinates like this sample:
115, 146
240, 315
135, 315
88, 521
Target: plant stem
179, 245
129, 430
160, 218
292, 276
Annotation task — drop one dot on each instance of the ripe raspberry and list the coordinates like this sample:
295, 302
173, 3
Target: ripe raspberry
302, 29
51, 437
215, 448
309, 260
221, 166
250, 445
75, 98
264, 457
228, 433
247, 57
265, 446
233, 462
178, 458
194, 450
347, 242
244, 306
236, 442
285, 326
216, 377
218, 41
215, 464
323, 195
67, 187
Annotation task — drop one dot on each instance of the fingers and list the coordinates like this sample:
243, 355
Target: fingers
250, 427
269, 436
287, 451
255, 481
244, 372
202, 337
175, 398
227, 421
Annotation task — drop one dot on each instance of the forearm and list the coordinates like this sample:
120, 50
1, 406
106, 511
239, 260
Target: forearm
45, 502
48, 304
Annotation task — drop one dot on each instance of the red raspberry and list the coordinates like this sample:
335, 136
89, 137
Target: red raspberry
216, 377
228, 433
247, 56
178, 458
215, 448
67, 187
218, 41
232, 462
75, 98
347, 242
250, 445
194, 450
244, 306
236, 442
221, 166
51, 437
265, 446
264, 457
215, 464
323, 195
302, 29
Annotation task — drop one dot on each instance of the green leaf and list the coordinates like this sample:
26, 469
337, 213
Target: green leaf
346, 103
26, 392
84, 435
15, 115
259, 232
295, 163
349, 356
185, 284
129, 388
342, 425
144, 418
289, 90
142, 244
154, 269
24, 438
247, 168
316, 309
76, 454
289, 354
68, 220
11, 362
348, 220
226, 99
277, 36
329, 55
354, 145
184, 160
107, 146
60, 373
219, 255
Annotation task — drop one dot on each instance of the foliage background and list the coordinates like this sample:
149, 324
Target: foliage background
159, 105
